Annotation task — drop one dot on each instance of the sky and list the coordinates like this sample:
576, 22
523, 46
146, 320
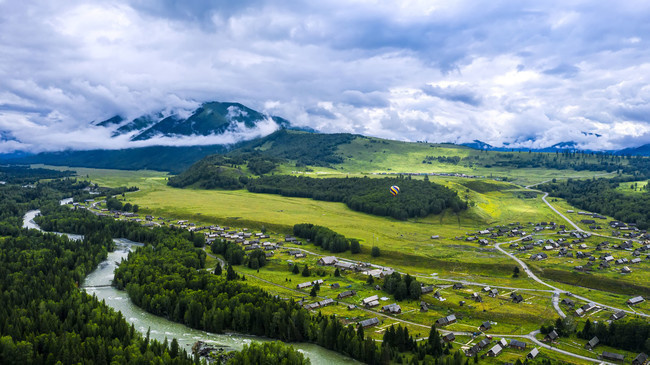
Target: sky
521, 73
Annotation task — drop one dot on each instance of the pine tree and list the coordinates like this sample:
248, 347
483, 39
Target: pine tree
337, 273
355, 247
231, 274
295, 269
305, 271
434, 344
218, 270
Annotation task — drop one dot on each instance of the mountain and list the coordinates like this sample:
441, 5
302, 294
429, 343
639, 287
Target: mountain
302, 147
161, 158
562, 146
479, 145
111, 121
211, 118
643, 150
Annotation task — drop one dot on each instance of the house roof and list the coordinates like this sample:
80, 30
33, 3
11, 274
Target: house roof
515, 343
593, 342
640, 358
446, 320
328, 260
369, 322
325, 302
496, 349
636, 300
618, 315
568, 301
449, 336
533, 353
613, 356
370, 299
346, 293
392, 308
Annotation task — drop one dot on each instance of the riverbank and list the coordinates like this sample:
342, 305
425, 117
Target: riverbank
98, 283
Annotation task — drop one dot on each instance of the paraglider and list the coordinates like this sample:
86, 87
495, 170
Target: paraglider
394, 190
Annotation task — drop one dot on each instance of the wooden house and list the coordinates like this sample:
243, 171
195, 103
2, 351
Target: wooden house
592, 343
369, 322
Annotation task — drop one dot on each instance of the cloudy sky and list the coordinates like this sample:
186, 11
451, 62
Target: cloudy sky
529, 73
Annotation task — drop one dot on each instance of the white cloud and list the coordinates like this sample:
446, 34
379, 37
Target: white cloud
501, 72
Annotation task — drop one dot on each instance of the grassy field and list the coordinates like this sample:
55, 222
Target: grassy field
368, 155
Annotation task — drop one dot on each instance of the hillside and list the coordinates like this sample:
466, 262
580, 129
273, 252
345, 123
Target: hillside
291, 150
161, 158
288, 151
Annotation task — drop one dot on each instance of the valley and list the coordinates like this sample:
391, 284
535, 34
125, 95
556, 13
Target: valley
407, 247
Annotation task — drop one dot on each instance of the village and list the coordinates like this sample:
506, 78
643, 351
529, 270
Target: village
468, 315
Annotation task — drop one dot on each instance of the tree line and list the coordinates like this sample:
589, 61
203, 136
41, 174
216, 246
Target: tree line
326, 238
633, 335
601, 196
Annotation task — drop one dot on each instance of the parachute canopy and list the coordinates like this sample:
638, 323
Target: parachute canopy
394, 190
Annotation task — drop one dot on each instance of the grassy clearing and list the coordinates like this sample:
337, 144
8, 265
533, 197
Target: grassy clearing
633, 187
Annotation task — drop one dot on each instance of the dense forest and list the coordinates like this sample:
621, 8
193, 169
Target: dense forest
418, 198
599, 195
174, 159
44, 317
25, 175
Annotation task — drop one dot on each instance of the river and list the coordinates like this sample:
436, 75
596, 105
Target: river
162, 328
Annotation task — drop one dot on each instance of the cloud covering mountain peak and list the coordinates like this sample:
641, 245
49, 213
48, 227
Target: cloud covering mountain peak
503, 72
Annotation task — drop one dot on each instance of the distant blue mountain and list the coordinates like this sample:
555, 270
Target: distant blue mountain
562, 146
635, 151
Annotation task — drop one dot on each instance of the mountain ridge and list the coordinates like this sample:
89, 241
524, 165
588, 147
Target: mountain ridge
211, 118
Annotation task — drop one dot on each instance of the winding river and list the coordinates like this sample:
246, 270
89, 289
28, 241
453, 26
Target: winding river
160, 328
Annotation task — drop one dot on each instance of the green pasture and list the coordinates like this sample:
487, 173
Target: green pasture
633, 187
368, 155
